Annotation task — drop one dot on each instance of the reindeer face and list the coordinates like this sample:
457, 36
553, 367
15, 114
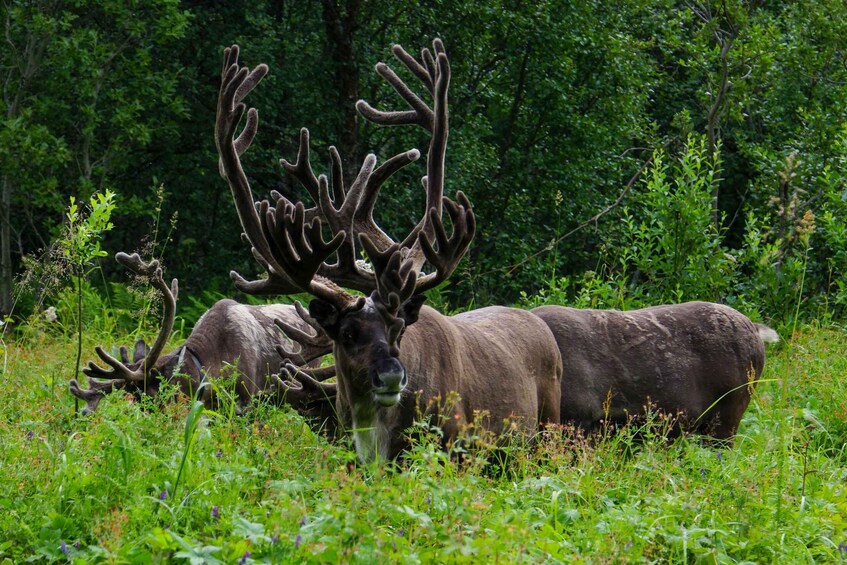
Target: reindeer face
367, 347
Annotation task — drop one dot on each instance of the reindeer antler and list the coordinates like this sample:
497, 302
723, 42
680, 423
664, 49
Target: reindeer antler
302, 387
286, 237
398, 267
312, 346
124, 371
434, 73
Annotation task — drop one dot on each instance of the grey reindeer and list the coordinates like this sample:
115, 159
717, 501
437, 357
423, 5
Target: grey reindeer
251, 340
696, 361
395, 357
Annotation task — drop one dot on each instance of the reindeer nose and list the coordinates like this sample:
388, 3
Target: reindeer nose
390, 375
389, 380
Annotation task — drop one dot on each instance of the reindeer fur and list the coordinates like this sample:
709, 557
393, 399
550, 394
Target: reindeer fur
697, 360
503, 363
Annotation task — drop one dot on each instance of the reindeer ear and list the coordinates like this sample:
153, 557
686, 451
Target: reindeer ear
167, 365
411, 309
141, 351
326, 315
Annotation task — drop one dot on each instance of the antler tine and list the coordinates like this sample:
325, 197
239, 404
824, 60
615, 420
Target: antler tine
302, 387
300, 250
345, 209
363, 222
312, 377
396, 278
312, 346
302, 171
306, 354
236, 83
122, 369
450, 249
94, 393
153, 272
434, 73
119, 370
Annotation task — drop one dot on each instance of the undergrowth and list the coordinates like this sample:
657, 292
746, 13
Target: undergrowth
159, 480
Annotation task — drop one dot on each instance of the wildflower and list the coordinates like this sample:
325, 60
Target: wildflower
30, 434
842, 547
50, 314
216, 513
275, 538
702, 472
245, 557
428, 499
401, 533
302, 521
364, 265
720, 456
164, 495
219, 454
297, 541
64, 548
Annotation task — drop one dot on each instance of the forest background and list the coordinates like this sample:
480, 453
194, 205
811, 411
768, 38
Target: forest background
617, 153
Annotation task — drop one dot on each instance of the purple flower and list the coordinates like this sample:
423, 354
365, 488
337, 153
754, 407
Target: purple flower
428, 499
216, 513
275, 538
842, 547
30, 434
76, 545
302, 521
245, 557
298, 540
64, 548
720, 456
219, 454
401, 532
164, 495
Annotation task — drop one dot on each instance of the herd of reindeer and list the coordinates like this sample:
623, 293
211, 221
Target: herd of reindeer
500, 369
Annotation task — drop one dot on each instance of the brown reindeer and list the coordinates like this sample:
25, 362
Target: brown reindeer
252, 340
697, 361
395, 357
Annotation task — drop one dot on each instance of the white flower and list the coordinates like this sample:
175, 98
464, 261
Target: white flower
50, 314
364, 265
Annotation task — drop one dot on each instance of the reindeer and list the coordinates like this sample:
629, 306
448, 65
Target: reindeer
697, 361
395, 357
252, 340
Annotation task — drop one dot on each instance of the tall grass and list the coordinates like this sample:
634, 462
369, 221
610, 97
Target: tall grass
156, 481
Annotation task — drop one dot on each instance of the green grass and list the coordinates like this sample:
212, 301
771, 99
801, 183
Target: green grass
267, 489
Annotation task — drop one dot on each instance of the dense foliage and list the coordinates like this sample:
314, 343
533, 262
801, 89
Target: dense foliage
617, 154
151, 482
562, 112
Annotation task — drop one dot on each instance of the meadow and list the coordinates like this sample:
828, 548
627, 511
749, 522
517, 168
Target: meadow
167, 481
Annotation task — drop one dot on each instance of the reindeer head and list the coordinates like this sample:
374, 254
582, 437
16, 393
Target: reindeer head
367, 345
287, 238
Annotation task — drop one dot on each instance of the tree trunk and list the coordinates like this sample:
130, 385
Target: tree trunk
341, 30
6, 299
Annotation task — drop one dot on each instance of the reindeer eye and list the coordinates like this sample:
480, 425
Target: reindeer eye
348, 336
